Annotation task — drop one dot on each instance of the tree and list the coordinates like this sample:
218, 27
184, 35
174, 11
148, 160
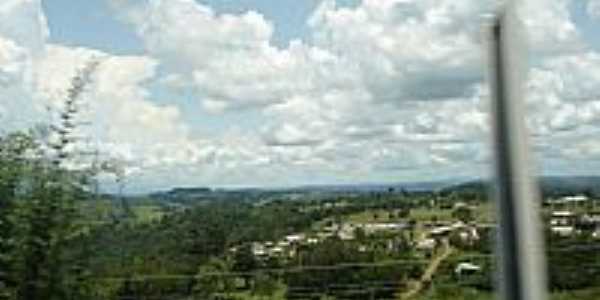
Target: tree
13, 148
213, 278
360, 234
244, 262
403, 213
463, 213
46, 190
265, 285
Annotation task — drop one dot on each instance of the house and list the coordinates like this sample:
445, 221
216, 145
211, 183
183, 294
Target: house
466, 268
325, 235
375, 227
563, 218
568, 202
441, 231
458, 205
346, 235
469, 235
295, 238
259, 249
563, 231
283, 244
563, 223
276, 251
427, 245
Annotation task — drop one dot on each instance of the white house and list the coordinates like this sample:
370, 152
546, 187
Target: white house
426, 245
466, 268
295, 238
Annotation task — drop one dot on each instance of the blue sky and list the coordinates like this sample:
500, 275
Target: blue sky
279, 93
90, 24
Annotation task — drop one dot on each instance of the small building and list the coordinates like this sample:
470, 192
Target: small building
563, 231
426, 245
295, 238
325, 235
259, 249
346, 235
441, 231
276, 251
574, 199
568, 202
458, 205
563, 218
466, 268
283, 244
376, 227
469, 235
563, 222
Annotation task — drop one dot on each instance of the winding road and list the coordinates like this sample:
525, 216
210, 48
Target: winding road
431, 269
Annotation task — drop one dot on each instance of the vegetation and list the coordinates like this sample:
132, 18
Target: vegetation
60, 240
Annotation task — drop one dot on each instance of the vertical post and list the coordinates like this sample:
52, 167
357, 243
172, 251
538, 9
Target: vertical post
522, 257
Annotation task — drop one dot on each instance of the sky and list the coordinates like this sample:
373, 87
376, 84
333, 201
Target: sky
291, 92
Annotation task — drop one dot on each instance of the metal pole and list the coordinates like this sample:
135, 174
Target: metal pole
522, 257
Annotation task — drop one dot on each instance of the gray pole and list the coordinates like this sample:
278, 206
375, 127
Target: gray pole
522, 257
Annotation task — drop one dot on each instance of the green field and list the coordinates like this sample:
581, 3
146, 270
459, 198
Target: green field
147, 213
483, 213
455, 292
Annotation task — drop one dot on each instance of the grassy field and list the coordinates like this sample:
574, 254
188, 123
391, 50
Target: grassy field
101, 211
370, 216
455, 292
147, 213
483, 213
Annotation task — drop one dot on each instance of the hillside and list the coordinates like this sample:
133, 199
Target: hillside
550, 186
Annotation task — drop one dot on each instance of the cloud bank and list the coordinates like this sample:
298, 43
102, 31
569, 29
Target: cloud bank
382, 91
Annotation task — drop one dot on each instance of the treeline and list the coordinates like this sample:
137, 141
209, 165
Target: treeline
51, 249
550, 187
197, 246
40, 223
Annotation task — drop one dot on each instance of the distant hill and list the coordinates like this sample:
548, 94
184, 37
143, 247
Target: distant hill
305, 192
377, 187
550, 186
177, 193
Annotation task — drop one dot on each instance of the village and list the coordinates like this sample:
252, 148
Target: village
460, 227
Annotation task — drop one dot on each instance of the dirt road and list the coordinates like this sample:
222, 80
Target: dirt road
430, 271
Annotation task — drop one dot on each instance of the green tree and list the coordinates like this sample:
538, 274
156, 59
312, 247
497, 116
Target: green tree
13, 148
265, 285
37, 206
244, 262
212, 278
463, 213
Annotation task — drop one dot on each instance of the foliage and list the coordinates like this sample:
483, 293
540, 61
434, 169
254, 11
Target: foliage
463, 213
38, 210
213, 278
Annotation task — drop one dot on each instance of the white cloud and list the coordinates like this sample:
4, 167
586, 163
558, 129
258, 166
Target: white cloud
550, 26
406, 49
344, 103
563, 93
23, 32
24, 23
117, 104
593, 8
12, 60
229, 60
